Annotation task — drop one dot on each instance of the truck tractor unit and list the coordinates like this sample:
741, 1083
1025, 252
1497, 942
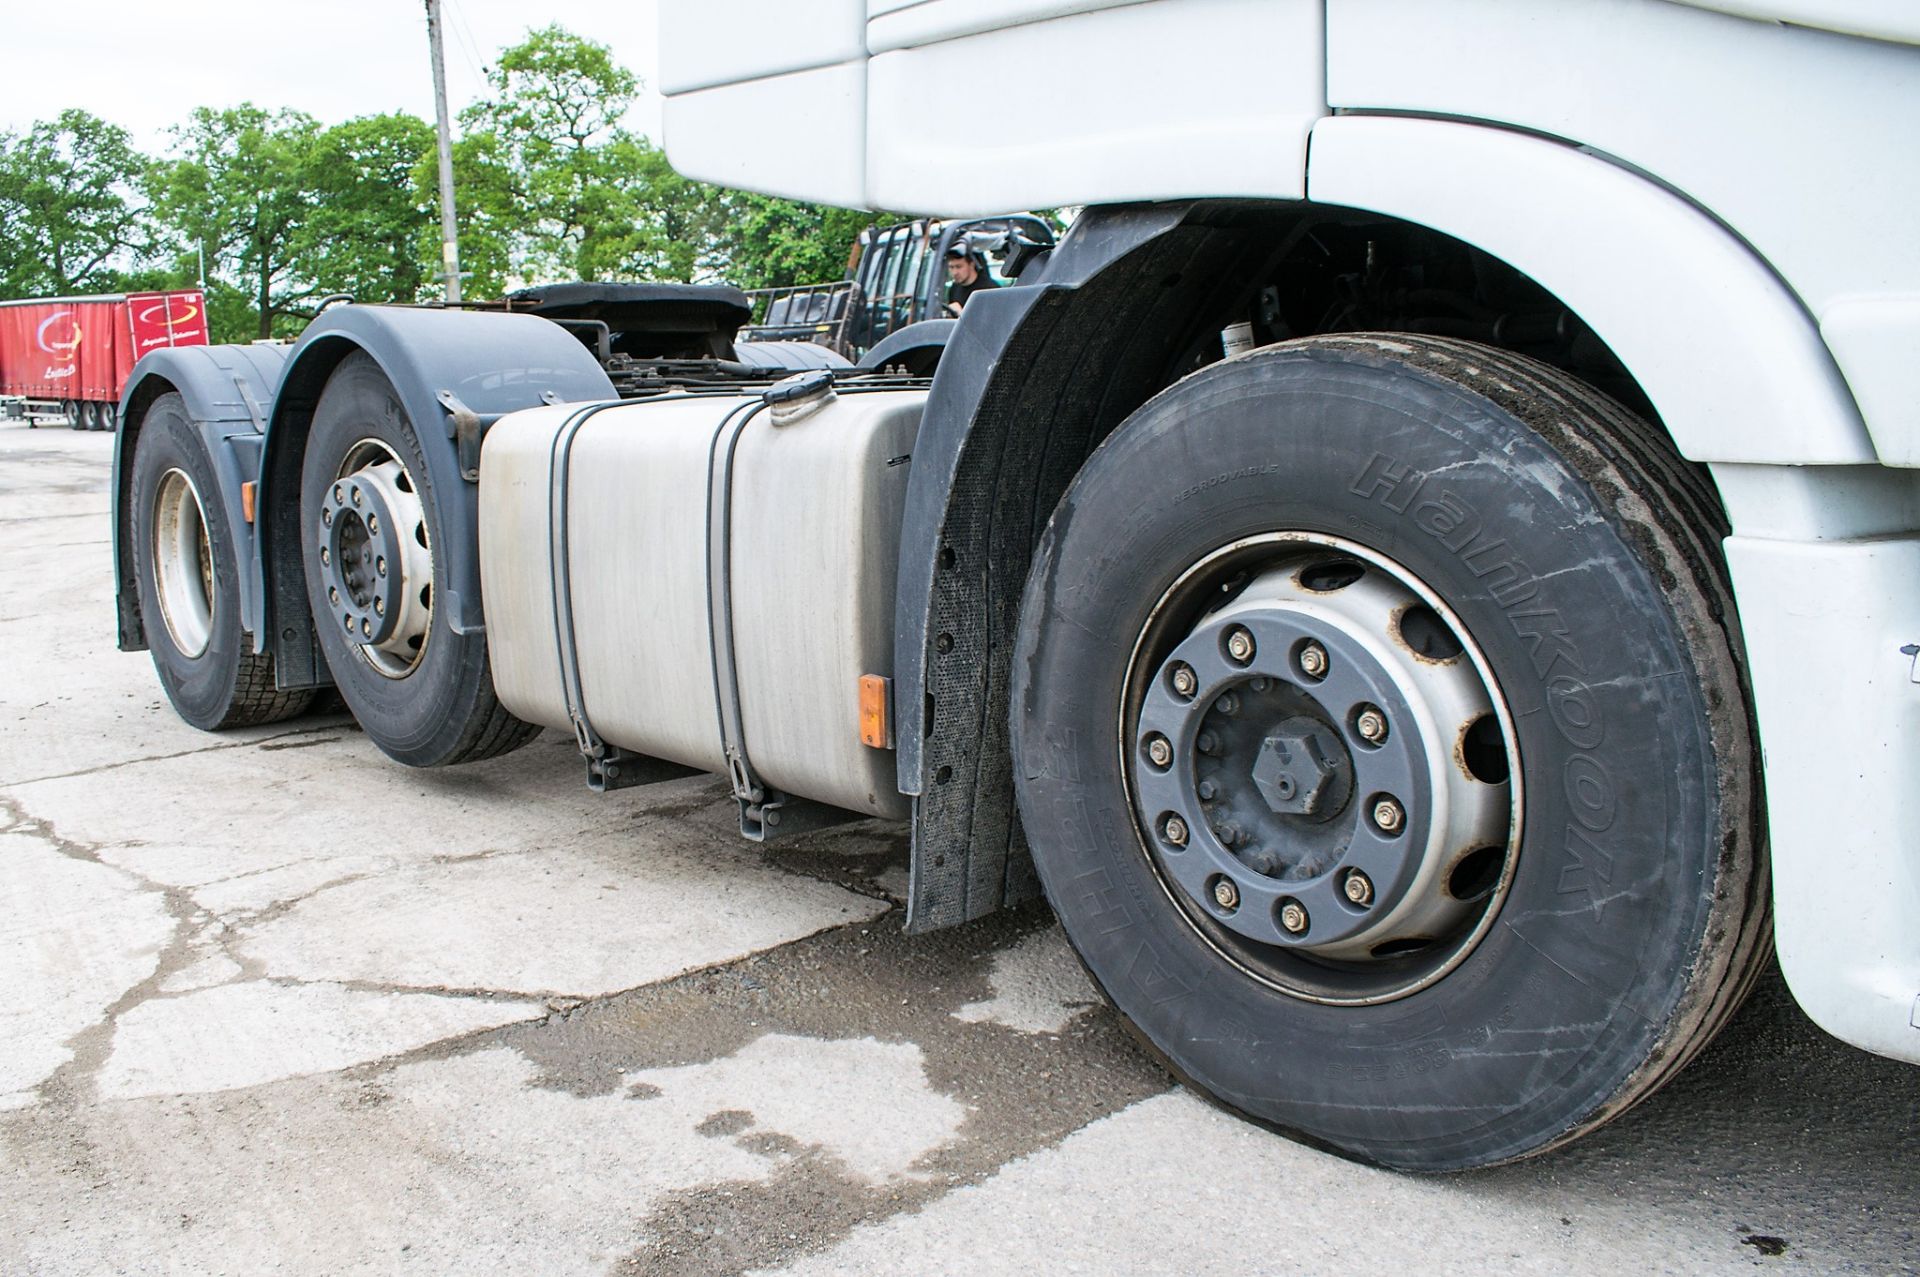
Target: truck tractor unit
890, 311
1421, 576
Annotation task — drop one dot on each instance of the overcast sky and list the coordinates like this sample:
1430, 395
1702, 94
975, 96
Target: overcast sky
144, 64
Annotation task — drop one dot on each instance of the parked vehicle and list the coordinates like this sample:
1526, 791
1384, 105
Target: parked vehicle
1354, 574
66, 359
890, 310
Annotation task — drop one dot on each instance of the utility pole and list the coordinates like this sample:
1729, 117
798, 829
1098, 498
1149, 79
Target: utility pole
449, 232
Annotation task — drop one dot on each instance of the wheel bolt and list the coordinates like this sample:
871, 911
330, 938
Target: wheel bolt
1313, 661
1159, 751
1240, 644
1208, 790
380, 606
1359, 888
326, 518
1388, 815
1228, 704
1225, 894
1185, 681
326, 556
380, 565
346, 623
1293, 917
1208, 743
373, 523
1175, 830
339, 493
356, 496
1257, 685
366, 628
1372, 725
333, 595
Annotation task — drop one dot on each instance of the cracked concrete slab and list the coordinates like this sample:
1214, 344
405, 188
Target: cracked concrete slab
74, 937
239, 1035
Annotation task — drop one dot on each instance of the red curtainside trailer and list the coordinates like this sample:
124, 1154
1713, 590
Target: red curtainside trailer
67, 358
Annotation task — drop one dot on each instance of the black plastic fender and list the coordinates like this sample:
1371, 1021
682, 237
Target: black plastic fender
1033, 378
227, 390
488, 363
917, 345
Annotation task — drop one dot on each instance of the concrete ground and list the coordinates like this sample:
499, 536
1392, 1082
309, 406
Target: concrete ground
270, 1003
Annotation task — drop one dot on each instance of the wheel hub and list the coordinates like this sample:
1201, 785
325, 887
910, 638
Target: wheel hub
1307, 739
374, 560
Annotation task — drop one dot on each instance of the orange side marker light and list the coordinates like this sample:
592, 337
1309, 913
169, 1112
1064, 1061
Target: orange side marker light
246, 500
876, 729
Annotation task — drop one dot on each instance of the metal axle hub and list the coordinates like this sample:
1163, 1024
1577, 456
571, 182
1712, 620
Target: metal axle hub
375, 559
1308, 743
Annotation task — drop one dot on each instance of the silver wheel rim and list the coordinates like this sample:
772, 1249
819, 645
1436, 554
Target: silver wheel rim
183, 576
1256, 790
376, 559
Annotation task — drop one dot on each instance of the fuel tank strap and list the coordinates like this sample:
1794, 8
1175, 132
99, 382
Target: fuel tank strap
747, 786
595, 749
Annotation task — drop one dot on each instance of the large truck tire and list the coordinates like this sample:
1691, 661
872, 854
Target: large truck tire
373, 544
188, 575
1381, 738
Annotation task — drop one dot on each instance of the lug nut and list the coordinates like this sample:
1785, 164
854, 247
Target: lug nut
333, 595
1313, 661
1228, 832
326, 557
1208, 790
1159, 751
373, 523
1257, 685
1293, 917
380, 565
1175, 830
356, 496
1388, 815
1208, 743
346, 623
339, 493
1225, 894
326, 518
1359, 888
1185, 681
1261, 862
380, 606
1228, 704
366, 628
1240, 644
1372, 725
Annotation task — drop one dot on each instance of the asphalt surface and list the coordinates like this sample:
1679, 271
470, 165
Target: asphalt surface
270, 1003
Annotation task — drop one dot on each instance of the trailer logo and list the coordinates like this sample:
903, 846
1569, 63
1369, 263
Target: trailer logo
65, 346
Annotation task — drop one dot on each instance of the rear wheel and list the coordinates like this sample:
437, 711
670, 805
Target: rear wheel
371, 539
73, 411
187, 571
1383, 752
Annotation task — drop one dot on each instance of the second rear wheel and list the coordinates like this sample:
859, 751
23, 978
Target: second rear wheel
373, 541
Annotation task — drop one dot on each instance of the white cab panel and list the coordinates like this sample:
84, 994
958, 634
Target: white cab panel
1802, 141
709, 42
1881, 19
1147, 101
800, 135
899, 24
1726, 354
1841, 739
1877, 341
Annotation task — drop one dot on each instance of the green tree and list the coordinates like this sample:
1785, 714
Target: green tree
238, 192
365, 211
550, 131
70, 216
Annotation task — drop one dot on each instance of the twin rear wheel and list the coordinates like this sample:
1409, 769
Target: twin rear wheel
1383, 752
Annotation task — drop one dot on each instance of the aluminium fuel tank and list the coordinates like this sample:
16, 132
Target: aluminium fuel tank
653, 541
